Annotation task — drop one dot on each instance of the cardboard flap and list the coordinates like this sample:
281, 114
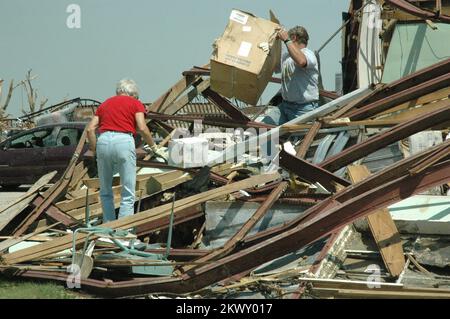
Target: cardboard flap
273, 18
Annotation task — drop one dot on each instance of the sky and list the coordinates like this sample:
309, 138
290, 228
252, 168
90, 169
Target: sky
152, 42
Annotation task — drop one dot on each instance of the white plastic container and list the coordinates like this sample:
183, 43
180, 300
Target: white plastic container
188, 152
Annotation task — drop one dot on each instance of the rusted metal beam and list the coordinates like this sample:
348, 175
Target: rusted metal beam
207, 72
386, 138
291, 199
323, 224
392, 172
406, 95
329, 94
55, 213
310, 172
182, 216
225, 106
180, 254
418, 12
245, 229
384, 91
209, 120
430, 160
307, 231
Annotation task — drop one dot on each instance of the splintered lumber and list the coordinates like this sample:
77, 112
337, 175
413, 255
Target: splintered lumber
79, 172
11, 210
309, 138
351, 288
149, 183
166, 180
95, 210
94, 197
199, 87
95, 182
383, 229
78, 202
173, 93
412, 113
14, 241
425, 99
128, 222
54, 213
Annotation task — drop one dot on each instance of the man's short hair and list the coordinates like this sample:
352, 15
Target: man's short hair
128, 87
301, 34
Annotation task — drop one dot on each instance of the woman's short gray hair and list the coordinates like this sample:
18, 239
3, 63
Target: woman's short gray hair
128, 87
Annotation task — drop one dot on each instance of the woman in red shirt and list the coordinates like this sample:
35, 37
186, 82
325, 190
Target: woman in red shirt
118, 119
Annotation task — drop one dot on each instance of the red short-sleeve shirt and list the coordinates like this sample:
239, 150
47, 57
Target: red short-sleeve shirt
118, 114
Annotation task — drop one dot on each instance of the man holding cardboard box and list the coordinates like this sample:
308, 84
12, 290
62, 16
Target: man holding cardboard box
299, 78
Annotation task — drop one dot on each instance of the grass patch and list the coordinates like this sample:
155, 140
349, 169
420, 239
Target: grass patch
27, 289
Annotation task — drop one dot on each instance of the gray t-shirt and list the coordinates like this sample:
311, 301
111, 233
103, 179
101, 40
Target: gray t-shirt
300, 85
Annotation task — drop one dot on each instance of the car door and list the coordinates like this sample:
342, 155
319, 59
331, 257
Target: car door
23, 157
4, 162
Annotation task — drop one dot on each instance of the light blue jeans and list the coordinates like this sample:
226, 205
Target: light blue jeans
288, 111
116, 154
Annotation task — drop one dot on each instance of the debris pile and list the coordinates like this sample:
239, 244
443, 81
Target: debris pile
329, 215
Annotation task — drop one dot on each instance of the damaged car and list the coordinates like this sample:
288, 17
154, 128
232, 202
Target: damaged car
28, 155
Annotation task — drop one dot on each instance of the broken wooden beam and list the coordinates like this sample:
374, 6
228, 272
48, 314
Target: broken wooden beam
310, 172
386, 138
141, 218
382, 228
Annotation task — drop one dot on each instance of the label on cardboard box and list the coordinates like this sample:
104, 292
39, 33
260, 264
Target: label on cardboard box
239, 17
244, 49
246, 28
231, 59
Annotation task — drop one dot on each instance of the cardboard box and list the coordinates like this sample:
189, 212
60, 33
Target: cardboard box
245, 57
188, 152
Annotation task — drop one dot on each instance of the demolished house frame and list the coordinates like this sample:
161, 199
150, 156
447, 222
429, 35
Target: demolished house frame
412, 104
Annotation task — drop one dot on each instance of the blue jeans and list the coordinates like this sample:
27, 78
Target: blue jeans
288, 111
116, 154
